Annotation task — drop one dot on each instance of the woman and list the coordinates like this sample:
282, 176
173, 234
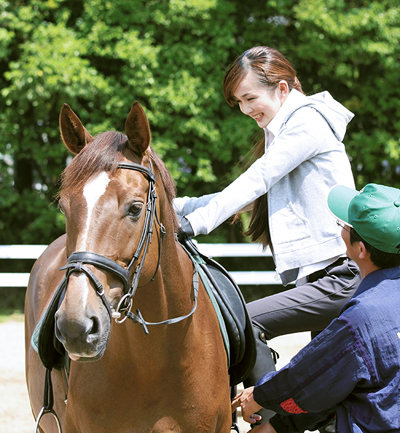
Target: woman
303, 157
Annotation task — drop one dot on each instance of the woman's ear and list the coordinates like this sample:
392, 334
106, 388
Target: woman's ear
283, 88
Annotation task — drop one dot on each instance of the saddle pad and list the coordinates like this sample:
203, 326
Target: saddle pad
234, 313
51, 351
198, 261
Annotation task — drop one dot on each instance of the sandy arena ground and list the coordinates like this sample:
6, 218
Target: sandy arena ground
15, 412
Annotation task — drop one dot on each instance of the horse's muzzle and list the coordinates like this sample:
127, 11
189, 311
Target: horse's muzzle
85, 337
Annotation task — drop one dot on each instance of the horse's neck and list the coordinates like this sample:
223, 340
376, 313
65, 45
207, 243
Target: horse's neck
174, 278
170, 295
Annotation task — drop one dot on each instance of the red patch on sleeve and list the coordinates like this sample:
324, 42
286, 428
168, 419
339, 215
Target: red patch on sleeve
290, 406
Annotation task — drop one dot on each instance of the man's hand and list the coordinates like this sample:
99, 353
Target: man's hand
263, 428
249, 406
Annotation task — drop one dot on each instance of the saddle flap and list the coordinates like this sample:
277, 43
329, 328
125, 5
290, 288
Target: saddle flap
234, 312
51, 352
231, 310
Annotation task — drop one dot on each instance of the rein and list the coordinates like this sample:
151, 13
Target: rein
78, 260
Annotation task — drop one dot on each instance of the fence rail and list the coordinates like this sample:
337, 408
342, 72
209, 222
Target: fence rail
213, 250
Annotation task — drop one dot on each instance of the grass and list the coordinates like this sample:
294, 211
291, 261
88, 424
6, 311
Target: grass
11, 317
12, 300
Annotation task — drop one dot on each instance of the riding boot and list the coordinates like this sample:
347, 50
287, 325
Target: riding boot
265, 362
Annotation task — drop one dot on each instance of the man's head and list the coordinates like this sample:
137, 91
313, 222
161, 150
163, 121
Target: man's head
373, 217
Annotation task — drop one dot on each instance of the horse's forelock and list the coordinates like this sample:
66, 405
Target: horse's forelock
102, 154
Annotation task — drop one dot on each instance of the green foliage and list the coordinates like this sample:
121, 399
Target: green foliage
170, 55
354, 47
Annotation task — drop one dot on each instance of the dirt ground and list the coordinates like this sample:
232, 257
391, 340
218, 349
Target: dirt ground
15, 412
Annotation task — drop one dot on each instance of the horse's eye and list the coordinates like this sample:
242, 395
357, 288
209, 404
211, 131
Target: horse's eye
60, 208
135, 210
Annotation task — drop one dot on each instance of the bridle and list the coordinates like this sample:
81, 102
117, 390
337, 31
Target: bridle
78, 260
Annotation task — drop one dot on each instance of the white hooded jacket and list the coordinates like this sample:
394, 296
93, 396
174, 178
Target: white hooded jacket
303, 161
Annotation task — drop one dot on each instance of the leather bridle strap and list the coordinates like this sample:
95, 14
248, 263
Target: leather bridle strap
89, 258
138, 318
138, 167
75, 264
125, 303
77, 260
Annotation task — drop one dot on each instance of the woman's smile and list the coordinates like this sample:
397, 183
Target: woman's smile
259, 102
258, 117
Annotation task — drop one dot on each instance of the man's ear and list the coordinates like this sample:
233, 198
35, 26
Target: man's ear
363, 252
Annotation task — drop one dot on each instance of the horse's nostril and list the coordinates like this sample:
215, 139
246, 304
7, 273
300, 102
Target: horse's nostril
93, 332
95, 326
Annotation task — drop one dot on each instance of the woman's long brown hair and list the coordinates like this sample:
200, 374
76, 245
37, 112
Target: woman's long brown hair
271, 67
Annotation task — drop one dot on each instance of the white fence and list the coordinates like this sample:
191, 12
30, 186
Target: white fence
212, 250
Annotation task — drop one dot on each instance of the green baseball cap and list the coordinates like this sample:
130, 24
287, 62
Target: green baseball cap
374, 213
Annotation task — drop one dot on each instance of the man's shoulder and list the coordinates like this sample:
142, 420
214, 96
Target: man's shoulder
380, 295
380, 279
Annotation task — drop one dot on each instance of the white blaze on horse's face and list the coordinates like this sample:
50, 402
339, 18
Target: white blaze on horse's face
92, 192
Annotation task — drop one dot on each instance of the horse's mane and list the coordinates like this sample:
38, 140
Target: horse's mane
104, 154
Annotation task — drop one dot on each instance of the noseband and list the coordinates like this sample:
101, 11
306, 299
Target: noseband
78, 260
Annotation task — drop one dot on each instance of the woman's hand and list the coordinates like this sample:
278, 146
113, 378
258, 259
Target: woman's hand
185, 228
249, 406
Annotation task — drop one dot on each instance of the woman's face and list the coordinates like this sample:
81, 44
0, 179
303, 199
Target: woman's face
258, 101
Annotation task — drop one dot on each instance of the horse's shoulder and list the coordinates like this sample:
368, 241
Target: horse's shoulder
54, 255
45, 277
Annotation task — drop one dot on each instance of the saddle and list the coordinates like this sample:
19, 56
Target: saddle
234, 319
225, 295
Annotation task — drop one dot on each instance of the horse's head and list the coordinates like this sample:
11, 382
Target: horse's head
108, 196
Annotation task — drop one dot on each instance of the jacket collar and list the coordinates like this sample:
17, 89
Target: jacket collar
375, 277
294, 101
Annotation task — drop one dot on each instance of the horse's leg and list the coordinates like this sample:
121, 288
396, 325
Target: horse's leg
216, 363
205, 362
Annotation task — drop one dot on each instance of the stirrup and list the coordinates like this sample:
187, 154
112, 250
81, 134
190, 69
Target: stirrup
48, 402
43, 412
235, 427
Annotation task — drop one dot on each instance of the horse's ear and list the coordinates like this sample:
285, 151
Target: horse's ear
73, 133
137, 129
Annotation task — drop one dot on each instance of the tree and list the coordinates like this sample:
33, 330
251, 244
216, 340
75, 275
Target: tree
354, 47
170, 55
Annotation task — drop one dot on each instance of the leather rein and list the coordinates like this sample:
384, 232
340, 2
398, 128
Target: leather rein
78, 260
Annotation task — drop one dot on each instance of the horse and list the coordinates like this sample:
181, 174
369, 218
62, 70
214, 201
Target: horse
120, 251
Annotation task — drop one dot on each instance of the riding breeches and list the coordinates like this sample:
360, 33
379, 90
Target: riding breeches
308, 307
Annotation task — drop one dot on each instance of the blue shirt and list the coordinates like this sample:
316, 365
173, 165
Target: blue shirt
352, 367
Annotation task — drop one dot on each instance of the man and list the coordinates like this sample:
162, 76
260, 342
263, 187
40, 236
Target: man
352, 368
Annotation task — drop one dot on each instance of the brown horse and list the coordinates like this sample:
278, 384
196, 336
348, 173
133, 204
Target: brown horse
173, 378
